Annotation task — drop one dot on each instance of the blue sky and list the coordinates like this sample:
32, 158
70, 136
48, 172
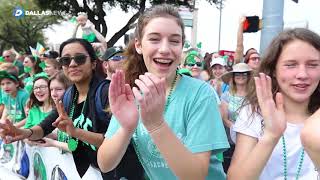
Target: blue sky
295, 15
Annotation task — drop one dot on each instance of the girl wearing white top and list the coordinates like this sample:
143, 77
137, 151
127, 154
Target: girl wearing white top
285, 95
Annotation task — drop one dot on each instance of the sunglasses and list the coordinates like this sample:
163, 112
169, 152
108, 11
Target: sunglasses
78, 59
117, 58
255, 59
199, 64
241, 73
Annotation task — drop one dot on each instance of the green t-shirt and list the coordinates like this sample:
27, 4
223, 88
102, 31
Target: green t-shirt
35, 117
89, 37
1, 94
28, 84
15, 106
194, 117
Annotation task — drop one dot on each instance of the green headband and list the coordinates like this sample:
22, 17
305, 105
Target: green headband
40, 75
5, 74
191, 55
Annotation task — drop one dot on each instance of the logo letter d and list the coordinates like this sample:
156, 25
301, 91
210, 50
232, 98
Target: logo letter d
18, 13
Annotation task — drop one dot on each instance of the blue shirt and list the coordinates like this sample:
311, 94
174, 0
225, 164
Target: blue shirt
194, 117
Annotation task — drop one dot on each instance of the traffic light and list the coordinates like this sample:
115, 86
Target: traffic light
251, 24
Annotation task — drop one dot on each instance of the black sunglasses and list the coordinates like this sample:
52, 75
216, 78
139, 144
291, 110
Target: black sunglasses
241, 73
79, 59
199, 64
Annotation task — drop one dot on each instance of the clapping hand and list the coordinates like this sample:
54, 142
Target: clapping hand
122, 102
152, 100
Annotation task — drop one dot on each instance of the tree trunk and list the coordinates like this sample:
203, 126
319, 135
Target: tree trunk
126, 28
122, 31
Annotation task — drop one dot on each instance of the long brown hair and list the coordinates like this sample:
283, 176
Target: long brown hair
134, 65
270, 60
206, 64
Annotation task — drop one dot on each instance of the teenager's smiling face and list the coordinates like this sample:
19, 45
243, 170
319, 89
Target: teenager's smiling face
41, 90
57, 89
161, 46
298, 71
77, 72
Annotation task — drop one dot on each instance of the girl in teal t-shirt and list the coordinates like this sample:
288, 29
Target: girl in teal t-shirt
173, 121
14, 98
40, 104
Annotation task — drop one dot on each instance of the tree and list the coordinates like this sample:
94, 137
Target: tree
95, 10
21, 33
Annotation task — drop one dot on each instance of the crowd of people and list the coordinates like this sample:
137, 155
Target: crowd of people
153, 110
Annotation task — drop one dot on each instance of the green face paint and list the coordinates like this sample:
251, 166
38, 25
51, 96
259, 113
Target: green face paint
27, 69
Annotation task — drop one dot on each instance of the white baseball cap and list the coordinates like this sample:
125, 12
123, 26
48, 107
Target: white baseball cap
218, 60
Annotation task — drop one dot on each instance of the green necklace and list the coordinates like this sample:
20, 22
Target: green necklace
135, 145
285, 167
170, 93
64, 137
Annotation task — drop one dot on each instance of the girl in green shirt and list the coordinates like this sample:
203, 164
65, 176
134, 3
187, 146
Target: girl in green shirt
14, 98
40, 103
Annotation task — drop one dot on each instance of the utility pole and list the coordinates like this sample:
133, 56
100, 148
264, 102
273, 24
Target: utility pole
272, 22
219, 6
194, 28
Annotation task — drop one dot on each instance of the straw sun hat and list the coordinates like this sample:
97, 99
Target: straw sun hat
240, 67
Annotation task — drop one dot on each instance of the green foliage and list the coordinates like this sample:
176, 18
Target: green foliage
26, 31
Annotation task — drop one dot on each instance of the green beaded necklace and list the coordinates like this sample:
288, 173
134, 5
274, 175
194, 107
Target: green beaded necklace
64, 137
165, 110
285, 167
170, 93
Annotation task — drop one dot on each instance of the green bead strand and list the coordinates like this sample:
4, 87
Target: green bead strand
285, 163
